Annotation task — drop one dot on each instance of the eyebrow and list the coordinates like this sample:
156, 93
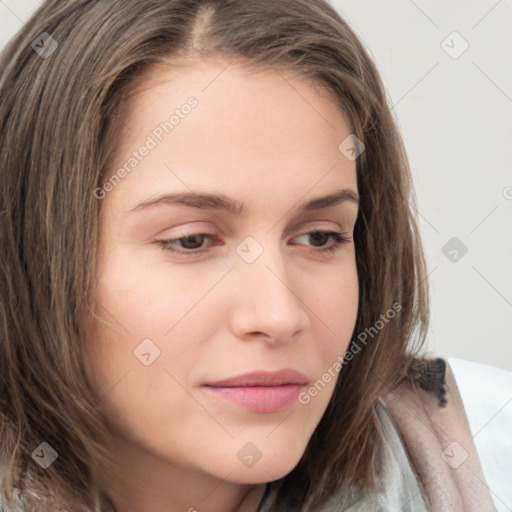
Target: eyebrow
205, 201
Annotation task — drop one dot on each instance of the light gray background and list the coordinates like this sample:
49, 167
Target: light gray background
454, 112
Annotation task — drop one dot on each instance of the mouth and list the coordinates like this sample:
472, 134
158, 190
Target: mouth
260, 399
263, 378
261, 391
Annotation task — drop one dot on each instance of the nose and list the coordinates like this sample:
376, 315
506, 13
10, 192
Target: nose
266, 303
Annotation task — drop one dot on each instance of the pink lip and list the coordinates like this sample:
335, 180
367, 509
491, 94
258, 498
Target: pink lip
260, 391
263, 378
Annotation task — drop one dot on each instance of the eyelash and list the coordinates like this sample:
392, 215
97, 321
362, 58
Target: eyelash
338, 240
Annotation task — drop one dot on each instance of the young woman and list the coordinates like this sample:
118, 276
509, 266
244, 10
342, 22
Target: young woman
213, 292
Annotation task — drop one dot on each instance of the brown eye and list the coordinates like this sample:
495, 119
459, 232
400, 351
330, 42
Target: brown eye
189, 244
324, 236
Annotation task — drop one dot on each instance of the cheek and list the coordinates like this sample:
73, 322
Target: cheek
335, 302
336, 305
145, 309
146, 300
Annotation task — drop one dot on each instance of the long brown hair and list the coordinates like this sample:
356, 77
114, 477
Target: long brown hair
59, 116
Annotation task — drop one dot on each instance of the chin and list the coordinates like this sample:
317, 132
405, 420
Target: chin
264, 471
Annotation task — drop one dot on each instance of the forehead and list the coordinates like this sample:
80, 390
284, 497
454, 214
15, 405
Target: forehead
279, 98
250, 127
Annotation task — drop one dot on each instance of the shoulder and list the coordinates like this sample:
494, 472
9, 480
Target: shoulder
429, 415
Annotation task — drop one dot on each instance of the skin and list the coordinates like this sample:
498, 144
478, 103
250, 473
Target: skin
269, 140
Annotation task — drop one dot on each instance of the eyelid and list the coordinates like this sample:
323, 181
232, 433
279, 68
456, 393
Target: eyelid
306, 228
338, 226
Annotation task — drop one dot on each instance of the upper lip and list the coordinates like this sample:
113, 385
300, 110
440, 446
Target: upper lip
263, 378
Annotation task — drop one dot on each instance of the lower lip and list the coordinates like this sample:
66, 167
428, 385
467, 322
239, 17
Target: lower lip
259, 398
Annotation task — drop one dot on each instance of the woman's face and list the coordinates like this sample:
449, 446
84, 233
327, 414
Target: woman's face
245, 292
